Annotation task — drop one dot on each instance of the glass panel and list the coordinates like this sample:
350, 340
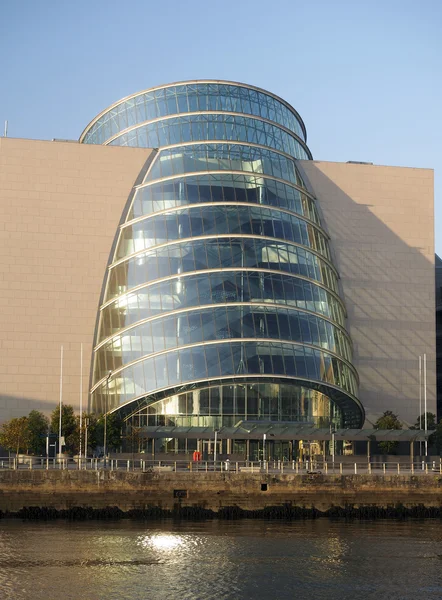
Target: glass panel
191, 97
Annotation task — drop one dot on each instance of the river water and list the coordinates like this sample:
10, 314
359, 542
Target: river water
218, 560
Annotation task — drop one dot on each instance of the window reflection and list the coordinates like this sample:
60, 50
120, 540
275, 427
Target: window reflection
219, 220
231, 358
222, 157
202, 325
221, 187
197, 255
211, 127
190, 98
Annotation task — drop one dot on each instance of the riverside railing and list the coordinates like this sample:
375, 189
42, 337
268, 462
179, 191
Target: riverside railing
312, 467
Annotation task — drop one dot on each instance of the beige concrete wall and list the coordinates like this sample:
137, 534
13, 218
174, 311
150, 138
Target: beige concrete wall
381, 224
60, 206
64, 490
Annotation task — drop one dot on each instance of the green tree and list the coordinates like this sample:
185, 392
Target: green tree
14, 435
388, 421
134, 438
420, 422
114, 424
69, 428
38, 425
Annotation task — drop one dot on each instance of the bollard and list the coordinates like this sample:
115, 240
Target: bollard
47, 461
30, 464
128, 465
340, 468
412, 468
423, 466
426, 468
282, 468
175, 466
293, 465
236, 468
326, 468
356, 469
383, 467
398, 468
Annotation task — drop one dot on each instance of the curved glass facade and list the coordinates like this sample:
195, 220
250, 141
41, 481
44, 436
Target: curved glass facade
189, 97
221, 302
224, 188
226, 405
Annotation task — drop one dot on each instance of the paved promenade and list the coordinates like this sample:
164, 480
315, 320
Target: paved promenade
422, 467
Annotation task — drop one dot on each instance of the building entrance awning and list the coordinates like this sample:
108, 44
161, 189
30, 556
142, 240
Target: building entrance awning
249, 430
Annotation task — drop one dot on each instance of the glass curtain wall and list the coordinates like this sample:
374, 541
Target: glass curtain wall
221, 301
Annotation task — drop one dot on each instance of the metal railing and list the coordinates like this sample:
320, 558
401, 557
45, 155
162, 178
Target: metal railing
312, 467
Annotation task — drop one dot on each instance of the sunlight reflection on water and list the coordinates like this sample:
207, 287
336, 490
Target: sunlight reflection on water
220, 560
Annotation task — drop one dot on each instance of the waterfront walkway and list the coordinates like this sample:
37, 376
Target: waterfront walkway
423, 467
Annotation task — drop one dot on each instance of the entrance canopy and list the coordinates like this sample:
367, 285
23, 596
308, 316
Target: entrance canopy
255, 430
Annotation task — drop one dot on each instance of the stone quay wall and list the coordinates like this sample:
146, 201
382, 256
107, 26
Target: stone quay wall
67, 490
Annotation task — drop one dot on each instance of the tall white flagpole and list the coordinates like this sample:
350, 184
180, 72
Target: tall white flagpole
61, 399
425, 402
420, 401
420, 392
81, 399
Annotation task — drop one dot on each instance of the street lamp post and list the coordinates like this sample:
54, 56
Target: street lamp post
332, 436
214, 450
109, 375
86, 423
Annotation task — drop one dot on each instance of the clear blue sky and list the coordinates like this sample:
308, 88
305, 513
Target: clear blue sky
365, 76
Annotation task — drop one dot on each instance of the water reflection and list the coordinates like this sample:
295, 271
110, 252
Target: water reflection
220, 560
161, 541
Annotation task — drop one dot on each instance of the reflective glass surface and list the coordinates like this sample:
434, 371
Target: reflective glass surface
216, 288
201, 254
223, 157
194, 128
203, 325
226, 405
224, 359
224, 231
219, 220
191, 97
220, 188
